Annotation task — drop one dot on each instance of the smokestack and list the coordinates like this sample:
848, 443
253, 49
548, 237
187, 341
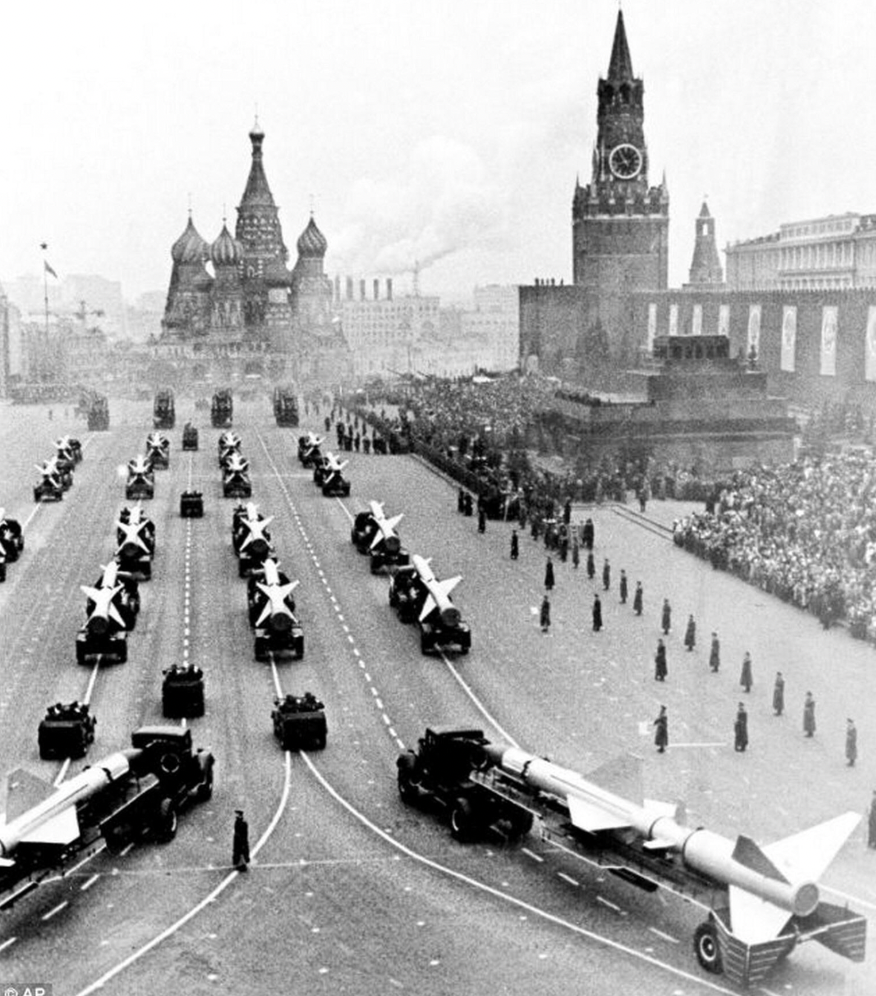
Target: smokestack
389, 288
362, 289
376, 290
349, 288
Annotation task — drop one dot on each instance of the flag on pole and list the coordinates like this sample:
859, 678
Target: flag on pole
50, 270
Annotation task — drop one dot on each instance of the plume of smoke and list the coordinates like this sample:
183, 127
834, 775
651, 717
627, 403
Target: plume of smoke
444, 203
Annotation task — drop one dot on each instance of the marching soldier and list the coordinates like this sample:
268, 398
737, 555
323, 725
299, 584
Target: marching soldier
851, 743
666, 617
660, 669
545, 615
740, 729
638, 599
661, 731
809, 715
240, 856
779, 694
597, 614
745, 678
715, 654
690, 634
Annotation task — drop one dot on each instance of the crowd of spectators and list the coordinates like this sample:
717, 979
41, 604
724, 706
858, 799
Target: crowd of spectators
805, 532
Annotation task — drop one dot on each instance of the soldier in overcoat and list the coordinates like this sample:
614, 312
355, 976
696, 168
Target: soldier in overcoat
549, 575
597, 614
740, 729
638, 599
779, 694
809, 715
660, 669
715, 653
666, 617
624, 588
661, 730
690, 634
745, 678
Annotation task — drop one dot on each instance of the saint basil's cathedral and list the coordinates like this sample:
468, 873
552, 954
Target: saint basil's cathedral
234, 308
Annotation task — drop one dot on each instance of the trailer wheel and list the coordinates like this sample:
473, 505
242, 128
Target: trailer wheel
707, 950
463, 824
166, 825
519, 821
205, 789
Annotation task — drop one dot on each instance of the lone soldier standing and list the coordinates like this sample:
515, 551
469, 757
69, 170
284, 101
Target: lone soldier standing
606, 575
515, 545
851, 743
638, 598
597, 614
660, 670
545, 616
871, 837
591, 566
715, 654
690, 634
587, 534
482, 520
740, 729
779, 694
549, 575
809, 715
666, 620
624, 590
240, 856
661, 732
745, 679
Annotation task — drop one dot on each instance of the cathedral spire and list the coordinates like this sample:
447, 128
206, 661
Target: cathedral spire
621, 65
257, 190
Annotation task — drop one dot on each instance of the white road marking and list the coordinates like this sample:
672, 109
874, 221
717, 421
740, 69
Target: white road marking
57, 909
568, 878
7, 942
610, 905
666, 937
88, 884
532, 854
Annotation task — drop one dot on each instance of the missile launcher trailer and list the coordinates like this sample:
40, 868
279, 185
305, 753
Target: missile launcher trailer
335, 485
236, 484
139, 486
49, 489
182, 692
130, 795
158, 451
285, 406
417, 596
189, 437
761, 902
222, 409
309, 453
280, 636
299, 722
11, 539
191, 505
66, 731
406, 595
109, 644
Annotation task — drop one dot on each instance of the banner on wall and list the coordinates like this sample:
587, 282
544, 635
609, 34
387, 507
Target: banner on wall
789, 337
724, 320
828, 340
753, 330
673, 319
696, 325
870, 361
652, 326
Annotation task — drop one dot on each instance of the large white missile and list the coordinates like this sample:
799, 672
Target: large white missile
385, 533
104, 610
276, 610
139, 466
37, 813
258, 543
766, 885
439, 592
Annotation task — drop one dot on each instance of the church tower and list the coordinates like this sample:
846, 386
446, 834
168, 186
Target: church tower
266, 280
620, 225
705, 268
187, 309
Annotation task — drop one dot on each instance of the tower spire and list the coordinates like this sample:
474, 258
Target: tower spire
621, 65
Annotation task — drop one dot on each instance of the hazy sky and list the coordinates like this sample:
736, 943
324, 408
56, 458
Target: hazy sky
448, 131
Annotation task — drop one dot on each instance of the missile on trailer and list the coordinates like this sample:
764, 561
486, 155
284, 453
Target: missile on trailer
276, 611
385, 532
766, 885
438, 592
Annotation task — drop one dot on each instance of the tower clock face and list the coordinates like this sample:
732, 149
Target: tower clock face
625, 161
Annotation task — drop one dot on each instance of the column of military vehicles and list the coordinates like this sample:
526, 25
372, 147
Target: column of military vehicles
56, 473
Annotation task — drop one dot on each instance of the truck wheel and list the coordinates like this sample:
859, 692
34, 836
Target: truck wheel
707, 949
408, 789
463, 824
520, 821
166, 824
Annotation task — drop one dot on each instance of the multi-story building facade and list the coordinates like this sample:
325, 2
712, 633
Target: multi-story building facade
832, 253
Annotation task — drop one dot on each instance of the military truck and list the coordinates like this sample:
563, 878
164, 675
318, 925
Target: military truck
299, 722
182, 692
189, 437
164, 410
191, 504
66, 731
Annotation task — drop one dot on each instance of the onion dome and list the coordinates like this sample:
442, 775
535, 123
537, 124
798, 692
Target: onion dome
312, 242
189, 247
226, 250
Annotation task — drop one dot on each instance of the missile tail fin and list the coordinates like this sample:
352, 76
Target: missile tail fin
23, 792
592, 817
806, 855
447, 586
749, 854
428, 606
755, 920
